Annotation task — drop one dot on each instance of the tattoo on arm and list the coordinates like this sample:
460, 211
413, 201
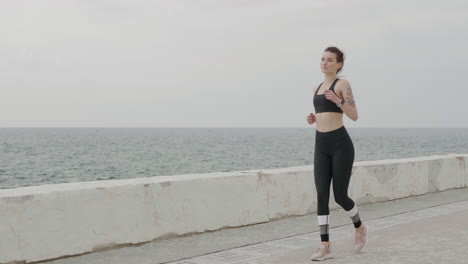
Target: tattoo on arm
349, 95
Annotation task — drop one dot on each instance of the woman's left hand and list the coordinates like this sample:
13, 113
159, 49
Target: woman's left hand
330, 95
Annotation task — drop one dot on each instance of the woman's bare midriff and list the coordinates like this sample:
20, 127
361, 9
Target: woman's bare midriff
328, 121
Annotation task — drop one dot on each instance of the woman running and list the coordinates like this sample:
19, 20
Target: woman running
334, 149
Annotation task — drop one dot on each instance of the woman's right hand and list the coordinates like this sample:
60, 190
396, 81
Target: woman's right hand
311, 119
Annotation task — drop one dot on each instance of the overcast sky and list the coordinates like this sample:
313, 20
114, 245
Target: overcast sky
229, 63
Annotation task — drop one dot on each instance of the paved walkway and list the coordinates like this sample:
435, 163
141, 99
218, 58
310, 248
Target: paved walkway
431, 228
434, 235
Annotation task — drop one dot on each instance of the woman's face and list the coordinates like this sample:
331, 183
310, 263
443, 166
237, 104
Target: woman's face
329, 64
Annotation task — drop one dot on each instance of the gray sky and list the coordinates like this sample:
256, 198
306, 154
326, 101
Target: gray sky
229, 63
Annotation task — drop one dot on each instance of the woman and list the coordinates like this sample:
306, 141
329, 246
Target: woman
334, 150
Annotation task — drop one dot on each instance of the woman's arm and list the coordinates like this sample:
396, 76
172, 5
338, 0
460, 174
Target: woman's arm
349, 107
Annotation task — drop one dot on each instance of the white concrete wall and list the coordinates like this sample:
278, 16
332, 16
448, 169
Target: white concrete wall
51, 221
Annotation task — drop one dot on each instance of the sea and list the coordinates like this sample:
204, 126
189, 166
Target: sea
38, 156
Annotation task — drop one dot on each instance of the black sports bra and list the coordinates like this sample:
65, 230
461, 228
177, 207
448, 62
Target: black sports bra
322, 104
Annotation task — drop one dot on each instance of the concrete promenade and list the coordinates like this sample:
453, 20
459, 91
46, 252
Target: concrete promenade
430, 228
48, 222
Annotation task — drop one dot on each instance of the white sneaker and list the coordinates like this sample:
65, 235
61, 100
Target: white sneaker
360, 239
322, 253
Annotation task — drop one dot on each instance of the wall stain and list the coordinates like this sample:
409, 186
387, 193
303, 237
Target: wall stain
461, 162
262, 179
165, 184
150, 204
383, 173
434, 171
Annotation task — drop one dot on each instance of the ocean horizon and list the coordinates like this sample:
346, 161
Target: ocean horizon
48, 155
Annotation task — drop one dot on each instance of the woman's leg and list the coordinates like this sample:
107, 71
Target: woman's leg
322, 176
343, 159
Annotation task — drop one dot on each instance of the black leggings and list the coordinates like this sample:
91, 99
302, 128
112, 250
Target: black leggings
333, 158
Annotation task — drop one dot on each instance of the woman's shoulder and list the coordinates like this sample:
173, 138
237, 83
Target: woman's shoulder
342, 82
342, 85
